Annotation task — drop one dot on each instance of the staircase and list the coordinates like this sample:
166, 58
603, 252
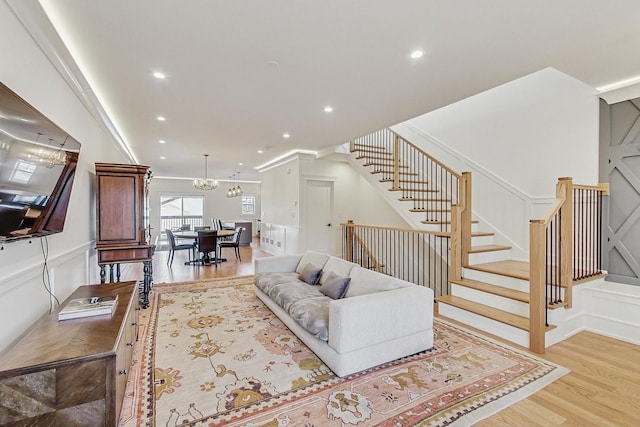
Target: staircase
487, 289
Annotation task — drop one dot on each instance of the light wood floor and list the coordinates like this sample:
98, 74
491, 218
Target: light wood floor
603, 388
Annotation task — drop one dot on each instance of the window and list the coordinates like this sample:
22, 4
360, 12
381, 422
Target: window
248, 205
22, 172
176, 211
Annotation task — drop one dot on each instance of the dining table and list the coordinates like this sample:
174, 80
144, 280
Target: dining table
192, 234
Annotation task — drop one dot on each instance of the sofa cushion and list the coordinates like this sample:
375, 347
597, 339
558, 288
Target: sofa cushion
265, 281
310, 274
365, 281
315, 258
313, 315
285, 294
335, 286
337, 265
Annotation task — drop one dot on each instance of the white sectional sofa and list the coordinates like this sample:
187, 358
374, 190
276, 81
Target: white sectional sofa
379, 319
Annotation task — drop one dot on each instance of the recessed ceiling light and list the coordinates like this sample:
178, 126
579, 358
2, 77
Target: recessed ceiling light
417, 54
286, 135
240, 164
260, 151
162, 157
162, 141
328, 109
161, 118
159, 75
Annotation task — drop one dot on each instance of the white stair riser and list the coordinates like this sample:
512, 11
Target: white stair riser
482, 240
490, 300
496, 279
491, 256
507, 332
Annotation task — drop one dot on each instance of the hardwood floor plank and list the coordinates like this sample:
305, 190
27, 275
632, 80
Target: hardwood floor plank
602, 389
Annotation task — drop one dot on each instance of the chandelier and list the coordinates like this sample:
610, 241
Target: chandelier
235, 191
51, 157
206, 183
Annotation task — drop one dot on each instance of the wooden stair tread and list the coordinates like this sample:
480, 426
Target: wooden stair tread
509, 268
416, 190
488, 248
419, 199
377, 156
369, 149
391, 172
427, 210
411, 181
481, 233
473, 221
501, 316
379, 163
493, 289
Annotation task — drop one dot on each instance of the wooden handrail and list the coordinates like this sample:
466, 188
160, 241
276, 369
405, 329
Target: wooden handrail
436, 161
411, 230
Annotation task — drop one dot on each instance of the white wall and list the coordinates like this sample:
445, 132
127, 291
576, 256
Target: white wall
354, 199
516, 140
528, 132
71, 258
216, 205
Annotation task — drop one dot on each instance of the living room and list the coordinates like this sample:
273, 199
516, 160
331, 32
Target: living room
71, 255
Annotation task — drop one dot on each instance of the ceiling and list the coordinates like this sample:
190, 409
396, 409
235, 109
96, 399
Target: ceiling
240, 74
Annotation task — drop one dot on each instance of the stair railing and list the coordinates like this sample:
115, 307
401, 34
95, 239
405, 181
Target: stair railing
564, 248
443, 194
422, 257
431, 186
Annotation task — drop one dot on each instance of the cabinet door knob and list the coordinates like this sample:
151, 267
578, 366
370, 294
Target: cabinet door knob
122, 372
134, 324
130, 344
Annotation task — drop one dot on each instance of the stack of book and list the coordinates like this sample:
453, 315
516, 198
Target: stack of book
91, 306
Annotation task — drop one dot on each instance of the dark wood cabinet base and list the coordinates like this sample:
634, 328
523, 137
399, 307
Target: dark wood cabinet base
72, 372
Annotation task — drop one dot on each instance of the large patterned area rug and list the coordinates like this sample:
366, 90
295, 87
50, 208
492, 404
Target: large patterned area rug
213, 354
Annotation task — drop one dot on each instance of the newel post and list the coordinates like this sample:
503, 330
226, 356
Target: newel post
465, 222
396, 162
537, 286
455, 263
564, 190
350, 240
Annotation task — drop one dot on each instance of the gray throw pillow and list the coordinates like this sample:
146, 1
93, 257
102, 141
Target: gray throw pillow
335, 286
310, 274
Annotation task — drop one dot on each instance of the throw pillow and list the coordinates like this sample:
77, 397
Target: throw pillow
310, 274
335, 286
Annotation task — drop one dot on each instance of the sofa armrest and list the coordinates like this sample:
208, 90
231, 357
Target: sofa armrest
361, 321
277, 264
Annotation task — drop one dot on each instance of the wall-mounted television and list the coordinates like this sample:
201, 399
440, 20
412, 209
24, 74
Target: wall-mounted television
37, 166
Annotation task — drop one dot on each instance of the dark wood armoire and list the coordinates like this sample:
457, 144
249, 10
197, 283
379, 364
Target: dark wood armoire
122, 230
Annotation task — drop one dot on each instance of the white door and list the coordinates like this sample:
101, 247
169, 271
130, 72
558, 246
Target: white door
317, 213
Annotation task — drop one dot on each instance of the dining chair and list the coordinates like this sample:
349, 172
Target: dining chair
207, 243
216, 223
173, 247
233, 243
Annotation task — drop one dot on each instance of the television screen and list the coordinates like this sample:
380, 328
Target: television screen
37, 167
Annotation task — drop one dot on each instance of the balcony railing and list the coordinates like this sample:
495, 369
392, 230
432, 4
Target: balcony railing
417, 256
176, 222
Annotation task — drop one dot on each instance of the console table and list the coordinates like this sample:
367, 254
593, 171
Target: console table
72, 372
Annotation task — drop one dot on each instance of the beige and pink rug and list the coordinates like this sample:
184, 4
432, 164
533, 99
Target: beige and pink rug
212, 354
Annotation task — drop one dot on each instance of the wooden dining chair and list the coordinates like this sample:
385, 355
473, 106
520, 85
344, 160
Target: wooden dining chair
233, 243
173, 247
207, 243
